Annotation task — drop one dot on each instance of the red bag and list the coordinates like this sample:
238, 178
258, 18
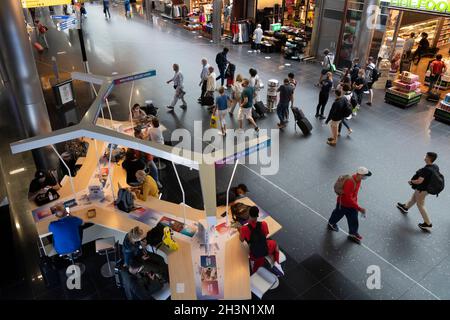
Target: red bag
42, 29
38, 47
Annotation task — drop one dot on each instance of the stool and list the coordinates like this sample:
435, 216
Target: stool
262, 281
282, 258
105, 246
162, 294
71, 256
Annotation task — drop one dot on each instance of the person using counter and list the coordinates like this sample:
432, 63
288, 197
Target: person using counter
148, 186
66, 231
255, 234
236, 193
137, 114
41, 181
132, 164
138, 284
132, 245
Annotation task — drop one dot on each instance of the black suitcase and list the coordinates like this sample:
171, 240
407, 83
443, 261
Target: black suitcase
298, 114
305, 126
260, 108
255, 114
435, 95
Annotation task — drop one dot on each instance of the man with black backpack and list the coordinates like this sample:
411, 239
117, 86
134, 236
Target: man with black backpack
222, 62
255, 233
427, 180
340, 109
372, 75
347, 188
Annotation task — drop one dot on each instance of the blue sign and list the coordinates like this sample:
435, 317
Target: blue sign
134, 77
244, 153
60, 17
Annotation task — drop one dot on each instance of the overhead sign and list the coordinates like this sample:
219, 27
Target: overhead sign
134, 77
43, 3
60, 17
244, 153
429, 6
67, 24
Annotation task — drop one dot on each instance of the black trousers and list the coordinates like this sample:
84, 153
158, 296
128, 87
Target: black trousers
203, 89
323, 100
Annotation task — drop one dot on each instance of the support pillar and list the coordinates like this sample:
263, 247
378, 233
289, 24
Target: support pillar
18, 60
363, 42
217, 21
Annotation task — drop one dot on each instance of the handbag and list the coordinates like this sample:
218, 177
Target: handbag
214, 120
332, 65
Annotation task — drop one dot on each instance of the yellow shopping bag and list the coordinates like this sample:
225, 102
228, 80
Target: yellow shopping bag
214, 120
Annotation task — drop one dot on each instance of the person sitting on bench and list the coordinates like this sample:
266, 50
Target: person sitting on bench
236, 193
41, 181
138, 284
255, 234
66, 231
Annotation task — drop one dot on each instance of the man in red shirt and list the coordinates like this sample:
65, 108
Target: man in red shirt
437, 69
255, 233
347, 205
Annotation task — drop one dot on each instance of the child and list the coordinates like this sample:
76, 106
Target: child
222, 108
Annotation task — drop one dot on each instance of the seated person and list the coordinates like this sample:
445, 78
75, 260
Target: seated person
148, 187
150, 165
138, 284
137, 114
66, 231
236, 193
41, 181
132, 164
132, 245
155, 133
255, 234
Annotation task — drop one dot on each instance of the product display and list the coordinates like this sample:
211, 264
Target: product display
442, 111
405, 91
272, 94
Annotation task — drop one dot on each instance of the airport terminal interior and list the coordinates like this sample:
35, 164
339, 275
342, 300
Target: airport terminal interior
130, 58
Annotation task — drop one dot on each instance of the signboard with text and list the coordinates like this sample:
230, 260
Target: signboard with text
441, 7
134, 77
43, 3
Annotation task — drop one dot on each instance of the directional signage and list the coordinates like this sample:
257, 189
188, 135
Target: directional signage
43, 3
134, 77
67, 24
244, 153
60, 17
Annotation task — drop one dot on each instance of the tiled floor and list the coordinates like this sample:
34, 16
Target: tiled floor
389, 141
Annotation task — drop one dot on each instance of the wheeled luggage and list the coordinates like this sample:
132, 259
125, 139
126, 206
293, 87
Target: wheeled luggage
434, 95
260, 108
303, 123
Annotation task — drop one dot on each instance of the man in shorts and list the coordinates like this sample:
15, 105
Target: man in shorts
245, 110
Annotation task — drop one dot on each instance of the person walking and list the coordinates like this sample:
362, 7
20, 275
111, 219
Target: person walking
358, 88
424, 182
327, 63
409, 45
347, 188
178, 86
286, 96
127, 7
245, 110
106, 9
354, 71
203, 79
437, 69
211, 86
222, 62
42, 30
255, 83
348, 94
335, 116
423, 47
325, 88
257, 38
371, 75
235, 94
221, 107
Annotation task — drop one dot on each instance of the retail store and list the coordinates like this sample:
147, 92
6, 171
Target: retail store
287, 26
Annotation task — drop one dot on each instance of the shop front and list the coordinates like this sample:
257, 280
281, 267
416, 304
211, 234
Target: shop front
213, 19
287, 26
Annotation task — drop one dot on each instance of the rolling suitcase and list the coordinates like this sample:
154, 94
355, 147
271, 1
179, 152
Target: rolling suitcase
260, 108
255, 114
435, 95
305, 126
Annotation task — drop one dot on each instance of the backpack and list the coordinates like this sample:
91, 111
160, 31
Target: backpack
125, 200
44, 198
374, 75
258, 242
354, 72
339, 184
240, 211
436, 183
346, 109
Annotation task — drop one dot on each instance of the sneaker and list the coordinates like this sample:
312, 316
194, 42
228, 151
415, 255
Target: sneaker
277, 269
280, 125
331, 143
317, 116
334, 228
349, 117
321, 117
170, 108
402, 207
183, 106
425, 227
330, 139
369, 104
256, 130
349, 131
355, 237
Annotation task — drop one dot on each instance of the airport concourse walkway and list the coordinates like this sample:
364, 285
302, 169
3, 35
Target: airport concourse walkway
391, 142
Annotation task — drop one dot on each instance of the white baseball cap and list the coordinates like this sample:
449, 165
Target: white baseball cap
364, 171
